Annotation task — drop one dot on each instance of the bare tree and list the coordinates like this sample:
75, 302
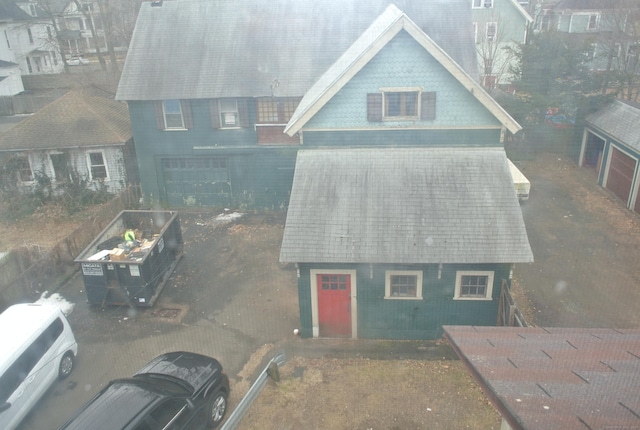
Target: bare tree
495, 52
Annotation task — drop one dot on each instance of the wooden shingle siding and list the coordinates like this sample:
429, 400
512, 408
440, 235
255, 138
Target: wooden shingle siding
374, 107
428, 106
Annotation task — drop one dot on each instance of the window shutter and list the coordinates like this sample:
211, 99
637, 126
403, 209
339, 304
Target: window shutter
428, 108
374, 107
215, 113
243, 112
187, 117
157, 105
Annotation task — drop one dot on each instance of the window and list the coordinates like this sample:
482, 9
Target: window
173, 119
30, 34
593, 22
492, 30
405, 284
97, 165
32, 9
229, 113
60, 166
401, 104
6, 36
22, 168
472, 285
477, 4
273, 110
589, 52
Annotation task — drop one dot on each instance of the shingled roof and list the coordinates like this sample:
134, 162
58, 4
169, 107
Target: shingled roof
404, 205
74, 120
245, 48
555, 378
619, 120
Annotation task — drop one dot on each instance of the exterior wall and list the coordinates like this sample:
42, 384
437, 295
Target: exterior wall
380, 318
403, 63
511, 31
12, 82
43, 57
403, 137
78, 162
259, 176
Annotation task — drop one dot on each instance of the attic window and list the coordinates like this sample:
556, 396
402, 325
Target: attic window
401, 104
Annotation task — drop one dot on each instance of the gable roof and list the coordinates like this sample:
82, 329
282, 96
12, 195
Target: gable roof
73, 120
404, 205
193, 49
521, 10
555, 378
9, 11
370, 43
619, 120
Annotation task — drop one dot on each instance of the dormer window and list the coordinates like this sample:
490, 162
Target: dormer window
401, 104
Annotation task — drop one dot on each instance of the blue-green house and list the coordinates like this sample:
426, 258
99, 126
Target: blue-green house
403, 215
366, 120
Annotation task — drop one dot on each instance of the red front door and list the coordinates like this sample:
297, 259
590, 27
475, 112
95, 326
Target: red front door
334, 305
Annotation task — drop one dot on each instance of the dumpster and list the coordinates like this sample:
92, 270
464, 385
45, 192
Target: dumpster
132, 258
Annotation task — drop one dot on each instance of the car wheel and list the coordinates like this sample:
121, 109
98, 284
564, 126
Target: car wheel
66, 365
217, 409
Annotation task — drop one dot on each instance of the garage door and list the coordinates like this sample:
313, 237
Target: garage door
202, 181
620, 177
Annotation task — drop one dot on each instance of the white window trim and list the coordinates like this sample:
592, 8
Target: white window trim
387, 284
164, 116
461, 273
486, 32
89, 165
418, 90
221, 114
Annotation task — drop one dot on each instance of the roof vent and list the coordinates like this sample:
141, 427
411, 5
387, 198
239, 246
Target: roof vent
156, 3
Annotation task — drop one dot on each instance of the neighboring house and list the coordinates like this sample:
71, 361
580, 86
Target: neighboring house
499, 27
402, 213
611, 145
555, 378
10, 79
606, 30
76, 137
28, 41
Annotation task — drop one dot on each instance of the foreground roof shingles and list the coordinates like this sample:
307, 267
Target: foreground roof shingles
555, 378
73, 120
404, 205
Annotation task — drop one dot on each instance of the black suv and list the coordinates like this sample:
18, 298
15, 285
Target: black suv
177, 390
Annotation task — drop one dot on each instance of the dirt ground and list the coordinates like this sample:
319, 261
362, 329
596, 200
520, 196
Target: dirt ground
586, 274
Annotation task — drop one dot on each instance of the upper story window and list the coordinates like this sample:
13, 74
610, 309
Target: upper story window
30, 34
231, 113
403, 284
32, 9
401, 104
275, 110
473, 285
97, 165
477, 4
173, 114
593, 22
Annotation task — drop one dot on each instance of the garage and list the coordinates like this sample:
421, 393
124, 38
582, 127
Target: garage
202, 181
612, 137
620, 175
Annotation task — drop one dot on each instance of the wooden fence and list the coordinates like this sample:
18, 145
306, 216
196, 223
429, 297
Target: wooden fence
508, 313
26, 272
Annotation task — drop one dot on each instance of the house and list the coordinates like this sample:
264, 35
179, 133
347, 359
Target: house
555, 378
499, 27
603, 29
611, 146
75, 138
366, 120
10, 79
28, 41
403, 214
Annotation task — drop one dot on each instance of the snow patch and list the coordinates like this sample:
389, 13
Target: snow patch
229, 216
58, 301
